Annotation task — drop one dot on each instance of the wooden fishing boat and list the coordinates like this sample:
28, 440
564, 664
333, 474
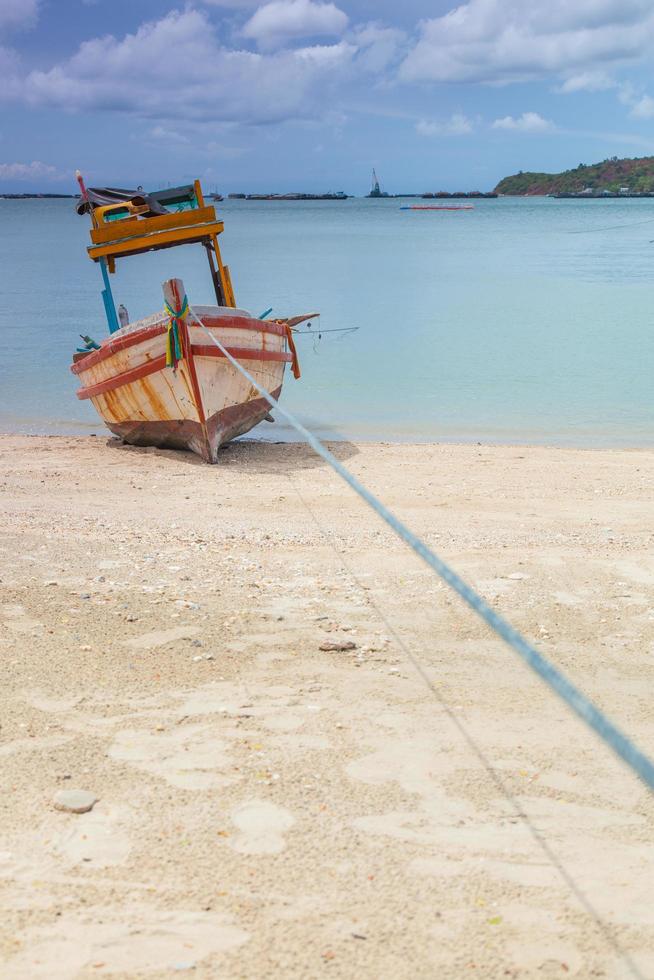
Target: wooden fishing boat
166, 380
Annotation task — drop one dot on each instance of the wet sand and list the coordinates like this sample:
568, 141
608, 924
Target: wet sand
269, 809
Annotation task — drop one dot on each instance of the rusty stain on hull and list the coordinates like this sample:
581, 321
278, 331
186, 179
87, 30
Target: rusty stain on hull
109, 405
155, 403
173, 395
140, 400
122, 403
187, 385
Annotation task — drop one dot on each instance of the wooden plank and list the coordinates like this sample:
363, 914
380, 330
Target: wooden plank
111, 347
228, 286
161, 239
228, 296
118, 230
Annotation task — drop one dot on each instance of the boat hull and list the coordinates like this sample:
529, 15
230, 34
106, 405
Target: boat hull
225, 425
204, 401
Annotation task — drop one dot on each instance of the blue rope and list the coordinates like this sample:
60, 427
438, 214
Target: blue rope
582, 706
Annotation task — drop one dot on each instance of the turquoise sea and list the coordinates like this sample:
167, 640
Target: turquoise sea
522, 321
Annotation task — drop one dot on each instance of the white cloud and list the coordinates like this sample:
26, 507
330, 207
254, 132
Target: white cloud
627, 93
457, 125
28, 171
167, 135
587, 81
18, 13
528, 122
505, 41
282, 20
14, 15
232, 4
135, 74
378, 46
326, 54
643, 108
641, 105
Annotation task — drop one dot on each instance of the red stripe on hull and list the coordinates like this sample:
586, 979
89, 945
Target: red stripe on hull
242, 353
159, 363
110, 347
113, 346
126, 378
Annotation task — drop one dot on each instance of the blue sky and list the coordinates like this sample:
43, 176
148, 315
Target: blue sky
309, 95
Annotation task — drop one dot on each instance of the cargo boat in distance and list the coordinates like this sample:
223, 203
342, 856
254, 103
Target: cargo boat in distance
163, 380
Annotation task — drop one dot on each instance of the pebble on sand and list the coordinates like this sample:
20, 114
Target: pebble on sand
337, 645
75, 800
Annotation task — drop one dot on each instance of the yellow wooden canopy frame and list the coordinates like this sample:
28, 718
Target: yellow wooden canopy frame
131, 236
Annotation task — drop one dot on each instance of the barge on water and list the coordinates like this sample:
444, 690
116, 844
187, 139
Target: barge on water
330, 196
599, 195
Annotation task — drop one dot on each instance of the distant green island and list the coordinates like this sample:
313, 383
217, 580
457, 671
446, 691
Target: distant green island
610, 177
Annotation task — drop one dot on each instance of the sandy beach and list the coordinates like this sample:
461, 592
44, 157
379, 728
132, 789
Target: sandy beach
268, 807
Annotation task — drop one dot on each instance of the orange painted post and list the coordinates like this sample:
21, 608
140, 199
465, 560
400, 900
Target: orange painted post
224, 290
226, 282
230, 289
199, 196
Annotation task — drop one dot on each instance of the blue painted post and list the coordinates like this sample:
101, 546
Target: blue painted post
108, 299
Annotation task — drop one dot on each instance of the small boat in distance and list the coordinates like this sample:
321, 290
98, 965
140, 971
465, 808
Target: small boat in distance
162, 380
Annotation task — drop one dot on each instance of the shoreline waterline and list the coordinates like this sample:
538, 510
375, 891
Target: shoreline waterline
292, 442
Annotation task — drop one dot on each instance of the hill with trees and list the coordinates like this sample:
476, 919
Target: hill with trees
636, 176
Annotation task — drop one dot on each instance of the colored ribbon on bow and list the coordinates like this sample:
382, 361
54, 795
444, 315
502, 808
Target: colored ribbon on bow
173, 342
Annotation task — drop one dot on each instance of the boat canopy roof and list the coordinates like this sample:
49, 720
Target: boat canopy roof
155, 202
127, 222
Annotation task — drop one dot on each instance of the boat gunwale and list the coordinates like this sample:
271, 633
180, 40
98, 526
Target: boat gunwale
113, 345
146, 368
